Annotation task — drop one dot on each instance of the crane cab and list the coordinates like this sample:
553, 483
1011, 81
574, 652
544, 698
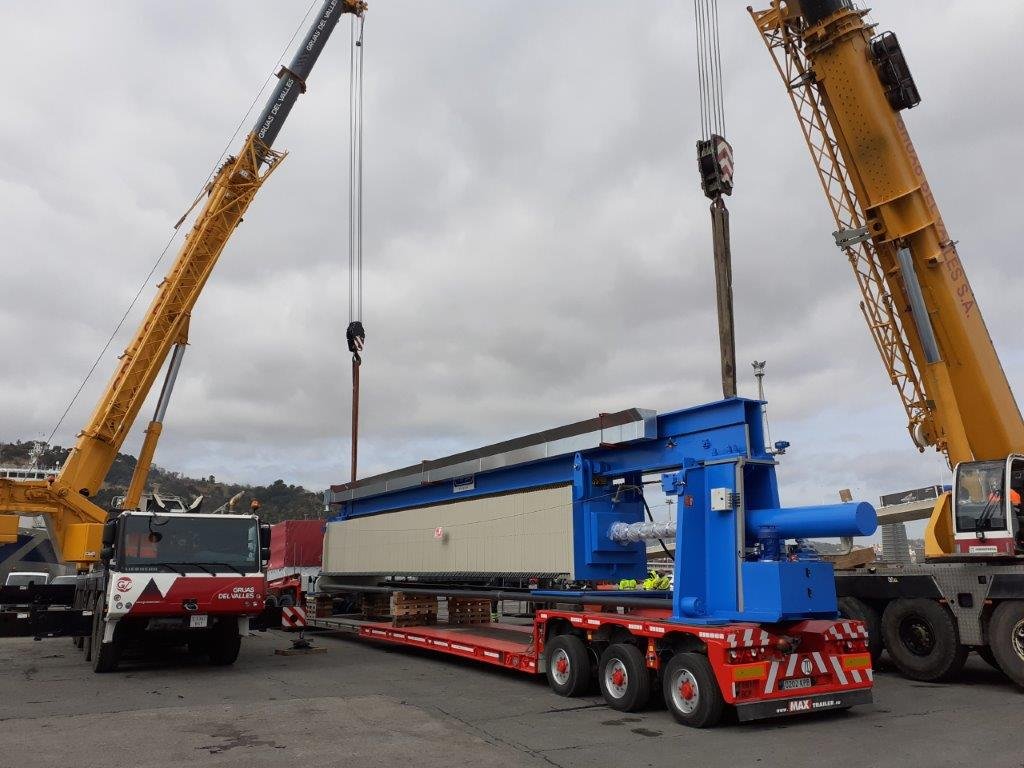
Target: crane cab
987, 512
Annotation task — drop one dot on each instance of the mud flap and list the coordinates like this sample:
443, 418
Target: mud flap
799, 705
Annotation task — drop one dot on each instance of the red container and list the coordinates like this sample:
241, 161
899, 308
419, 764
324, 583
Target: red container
296, 543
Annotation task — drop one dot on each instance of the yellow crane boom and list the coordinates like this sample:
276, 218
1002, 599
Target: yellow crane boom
938, 353
848, 86
75, 521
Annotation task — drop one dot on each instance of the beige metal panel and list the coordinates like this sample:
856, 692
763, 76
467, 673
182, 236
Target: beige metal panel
529, 532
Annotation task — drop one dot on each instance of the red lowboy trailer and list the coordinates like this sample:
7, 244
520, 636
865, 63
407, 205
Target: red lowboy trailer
762, 671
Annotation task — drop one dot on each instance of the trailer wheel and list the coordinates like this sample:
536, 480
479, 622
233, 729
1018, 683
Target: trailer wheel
104, 655
1006, 635
624, 678
854, 608
568, 666
691, 691
922, 639
225, 643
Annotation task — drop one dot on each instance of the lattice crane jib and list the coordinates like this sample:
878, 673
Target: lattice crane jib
848, 85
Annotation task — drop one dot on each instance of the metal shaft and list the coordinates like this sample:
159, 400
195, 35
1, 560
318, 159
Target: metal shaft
723, 292
570, 598
355, 417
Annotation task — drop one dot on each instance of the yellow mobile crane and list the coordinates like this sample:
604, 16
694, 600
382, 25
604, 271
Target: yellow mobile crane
848, 85
78, 527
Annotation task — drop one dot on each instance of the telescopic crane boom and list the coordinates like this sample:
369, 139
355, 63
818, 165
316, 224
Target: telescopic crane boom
76, 521
848, 86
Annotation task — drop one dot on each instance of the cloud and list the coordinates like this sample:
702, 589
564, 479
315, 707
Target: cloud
537, 248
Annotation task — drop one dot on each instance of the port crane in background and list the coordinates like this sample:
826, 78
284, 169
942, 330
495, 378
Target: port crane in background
198, 576
849, 85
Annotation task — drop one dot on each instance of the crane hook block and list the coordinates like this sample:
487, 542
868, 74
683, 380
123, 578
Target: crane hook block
715, 163
355, 335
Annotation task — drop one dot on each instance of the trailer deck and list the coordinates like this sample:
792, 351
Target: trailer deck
508, 645
763, 672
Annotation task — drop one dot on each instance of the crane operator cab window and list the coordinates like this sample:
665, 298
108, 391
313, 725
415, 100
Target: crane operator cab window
981, 498
1016, 494
988, 504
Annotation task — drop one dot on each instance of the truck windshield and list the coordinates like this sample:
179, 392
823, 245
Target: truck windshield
980, 497
189, 544
24, 579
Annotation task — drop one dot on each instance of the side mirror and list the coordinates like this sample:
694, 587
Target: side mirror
109, 534
265, 536
264, 555
158, 502
106, 553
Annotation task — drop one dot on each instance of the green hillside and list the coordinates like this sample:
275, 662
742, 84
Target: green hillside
279, 500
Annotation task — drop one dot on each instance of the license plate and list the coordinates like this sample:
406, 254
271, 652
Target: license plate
797, 682
197, 621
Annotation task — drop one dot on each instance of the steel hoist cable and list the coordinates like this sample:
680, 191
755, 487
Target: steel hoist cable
715, 163
709, 69
355, 334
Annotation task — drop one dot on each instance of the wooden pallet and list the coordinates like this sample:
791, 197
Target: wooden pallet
856, 558
414, 610
319, 606
464, 611
375, 606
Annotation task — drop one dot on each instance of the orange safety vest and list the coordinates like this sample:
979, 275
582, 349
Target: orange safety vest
1014, 497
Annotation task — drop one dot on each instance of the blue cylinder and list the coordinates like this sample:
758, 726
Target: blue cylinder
828, 520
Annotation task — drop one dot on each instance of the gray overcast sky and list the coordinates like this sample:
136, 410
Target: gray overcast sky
537, 247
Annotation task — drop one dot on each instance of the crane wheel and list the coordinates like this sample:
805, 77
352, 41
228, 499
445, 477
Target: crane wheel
691, 691
104, 655
624, 678
854, 608
922, 639
1006, 639
568, 668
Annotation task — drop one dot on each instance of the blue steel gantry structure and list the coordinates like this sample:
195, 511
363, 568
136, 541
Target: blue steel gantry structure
730, 528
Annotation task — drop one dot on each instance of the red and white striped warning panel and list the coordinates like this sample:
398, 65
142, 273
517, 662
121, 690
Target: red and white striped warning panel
848, 630
293, 617
751, 637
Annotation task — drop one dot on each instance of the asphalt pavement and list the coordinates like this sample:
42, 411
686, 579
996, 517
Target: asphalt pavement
365, 705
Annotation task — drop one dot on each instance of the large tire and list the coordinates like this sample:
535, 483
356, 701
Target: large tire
225, 643
922, 639
854, 608
1006, 638
568, 668
691, 691
624, 678
105, 656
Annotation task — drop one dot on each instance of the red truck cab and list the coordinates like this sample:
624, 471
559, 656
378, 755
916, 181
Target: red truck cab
176, 579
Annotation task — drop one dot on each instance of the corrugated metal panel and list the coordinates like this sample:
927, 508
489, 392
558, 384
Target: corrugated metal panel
527, 532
